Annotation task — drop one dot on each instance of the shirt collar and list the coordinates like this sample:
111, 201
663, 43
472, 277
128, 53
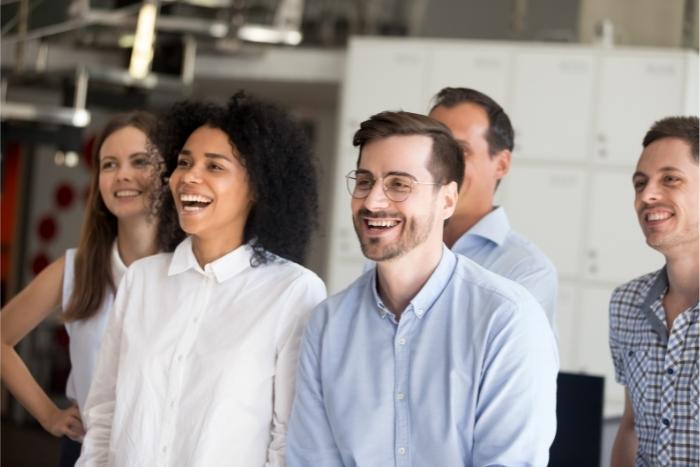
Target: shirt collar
652, 306
220, 269
117, 263
494, 227
429, 293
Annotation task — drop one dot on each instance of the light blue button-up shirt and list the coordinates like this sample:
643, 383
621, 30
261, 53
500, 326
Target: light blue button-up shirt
492, 244
467, 377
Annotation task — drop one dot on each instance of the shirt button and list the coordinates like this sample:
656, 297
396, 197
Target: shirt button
172, 404
669, 371
196, 318
666, 421
402, 341
630, 353
164, 449
402, 451
400, 396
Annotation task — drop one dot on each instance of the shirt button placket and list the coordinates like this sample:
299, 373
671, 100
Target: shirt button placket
401, 355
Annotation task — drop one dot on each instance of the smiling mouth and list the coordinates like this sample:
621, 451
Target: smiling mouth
194, 203
652, 217
126, 193
380, 225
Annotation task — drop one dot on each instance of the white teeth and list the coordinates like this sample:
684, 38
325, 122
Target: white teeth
126, 193
658, 216
381, 223
195, 198
192, 208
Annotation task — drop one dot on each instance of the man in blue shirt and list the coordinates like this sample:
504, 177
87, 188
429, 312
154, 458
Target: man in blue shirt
478, 230
427, 359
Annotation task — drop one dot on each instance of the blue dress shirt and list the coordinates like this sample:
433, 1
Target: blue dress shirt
492, 244
467, 377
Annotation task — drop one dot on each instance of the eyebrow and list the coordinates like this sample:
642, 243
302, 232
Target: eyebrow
393, 172
208, 155
667, 168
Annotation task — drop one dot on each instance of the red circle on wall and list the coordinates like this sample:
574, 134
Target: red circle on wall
39, 262
64, 195
47, 228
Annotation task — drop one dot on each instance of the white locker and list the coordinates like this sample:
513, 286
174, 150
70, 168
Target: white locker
616, 250
636, 89
384, 75
486, 69
691, 84
545, 205
594, 350
552, 103
565, 320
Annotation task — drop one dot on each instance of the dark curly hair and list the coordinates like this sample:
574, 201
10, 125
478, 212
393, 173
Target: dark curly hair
277, 157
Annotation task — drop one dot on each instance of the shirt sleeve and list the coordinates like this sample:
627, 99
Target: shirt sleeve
306, 294
516, 412
311, 442
616, 348
543, 283
99, 407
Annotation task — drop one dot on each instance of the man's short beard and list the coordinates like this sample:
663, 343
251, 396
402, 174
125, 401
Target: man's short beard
413, 234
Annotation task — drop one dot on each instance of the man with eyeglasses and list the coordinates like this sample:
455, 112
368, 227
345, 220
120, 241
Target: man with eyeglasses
427, 359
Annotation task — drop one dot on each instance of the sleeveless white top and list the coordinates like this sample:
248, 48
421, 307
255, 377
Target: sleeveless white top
86, 334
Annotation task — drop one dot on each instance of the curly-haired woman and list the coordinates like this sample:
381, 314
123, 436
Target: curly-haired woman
199, 359
119, 227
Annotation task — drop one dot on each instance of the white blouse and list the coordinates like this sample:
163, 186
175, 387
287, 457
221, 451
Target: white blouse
86, 334
197, 366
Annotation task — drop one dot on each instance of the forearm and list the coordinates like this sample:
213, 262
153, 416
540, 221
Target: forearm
624, 448
20, 382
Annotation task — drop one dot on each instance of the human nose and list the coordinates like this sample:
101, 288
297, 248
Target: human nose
650, 193
192, 175
376, 198
124, 172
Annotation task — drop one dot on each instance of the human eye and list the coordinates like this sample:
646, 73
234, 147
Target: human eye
214, 167
363, 182
108, 165
183, 162
399, 184
671, 179
140, 162
638, 184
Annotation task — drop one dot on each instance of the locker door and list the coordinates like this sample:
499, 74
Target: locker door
635, 91
546, 206
552, 104
616, 249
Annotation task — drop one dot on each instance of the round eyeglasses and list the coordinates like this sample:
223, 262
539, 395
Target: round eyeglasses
397, 187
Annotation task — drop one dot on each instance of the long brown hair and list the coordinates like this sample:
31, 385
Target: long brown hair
93, 264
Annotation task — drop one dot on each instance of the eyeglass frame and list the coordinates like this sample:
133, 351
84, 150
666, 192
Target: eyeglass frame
352, 175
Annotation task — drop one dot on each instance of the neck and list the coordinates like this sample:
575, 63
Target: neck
211, 248
464, 219
136, 239
400, 279
682, 271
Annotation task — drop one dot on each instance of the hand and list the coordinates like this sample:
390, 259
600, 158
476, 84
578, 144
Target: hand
65, 422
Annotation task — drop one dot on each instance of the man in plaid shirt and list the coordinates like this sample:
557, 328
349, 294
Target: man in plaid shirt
654, 318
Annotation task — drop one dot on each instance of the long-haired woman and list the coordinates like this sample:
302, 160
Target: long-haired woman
199, 360
120, 226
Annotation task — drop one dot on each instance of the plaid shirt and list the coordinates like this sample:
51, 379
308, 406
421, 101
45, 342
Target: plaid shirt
659, 370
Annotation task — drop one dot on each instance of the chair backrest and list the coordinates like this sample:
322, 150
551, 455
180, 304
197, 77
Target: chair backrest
579, 421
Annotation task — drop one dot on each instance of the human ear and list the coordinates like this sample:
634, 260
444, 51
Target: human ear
450, 195
502, 163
